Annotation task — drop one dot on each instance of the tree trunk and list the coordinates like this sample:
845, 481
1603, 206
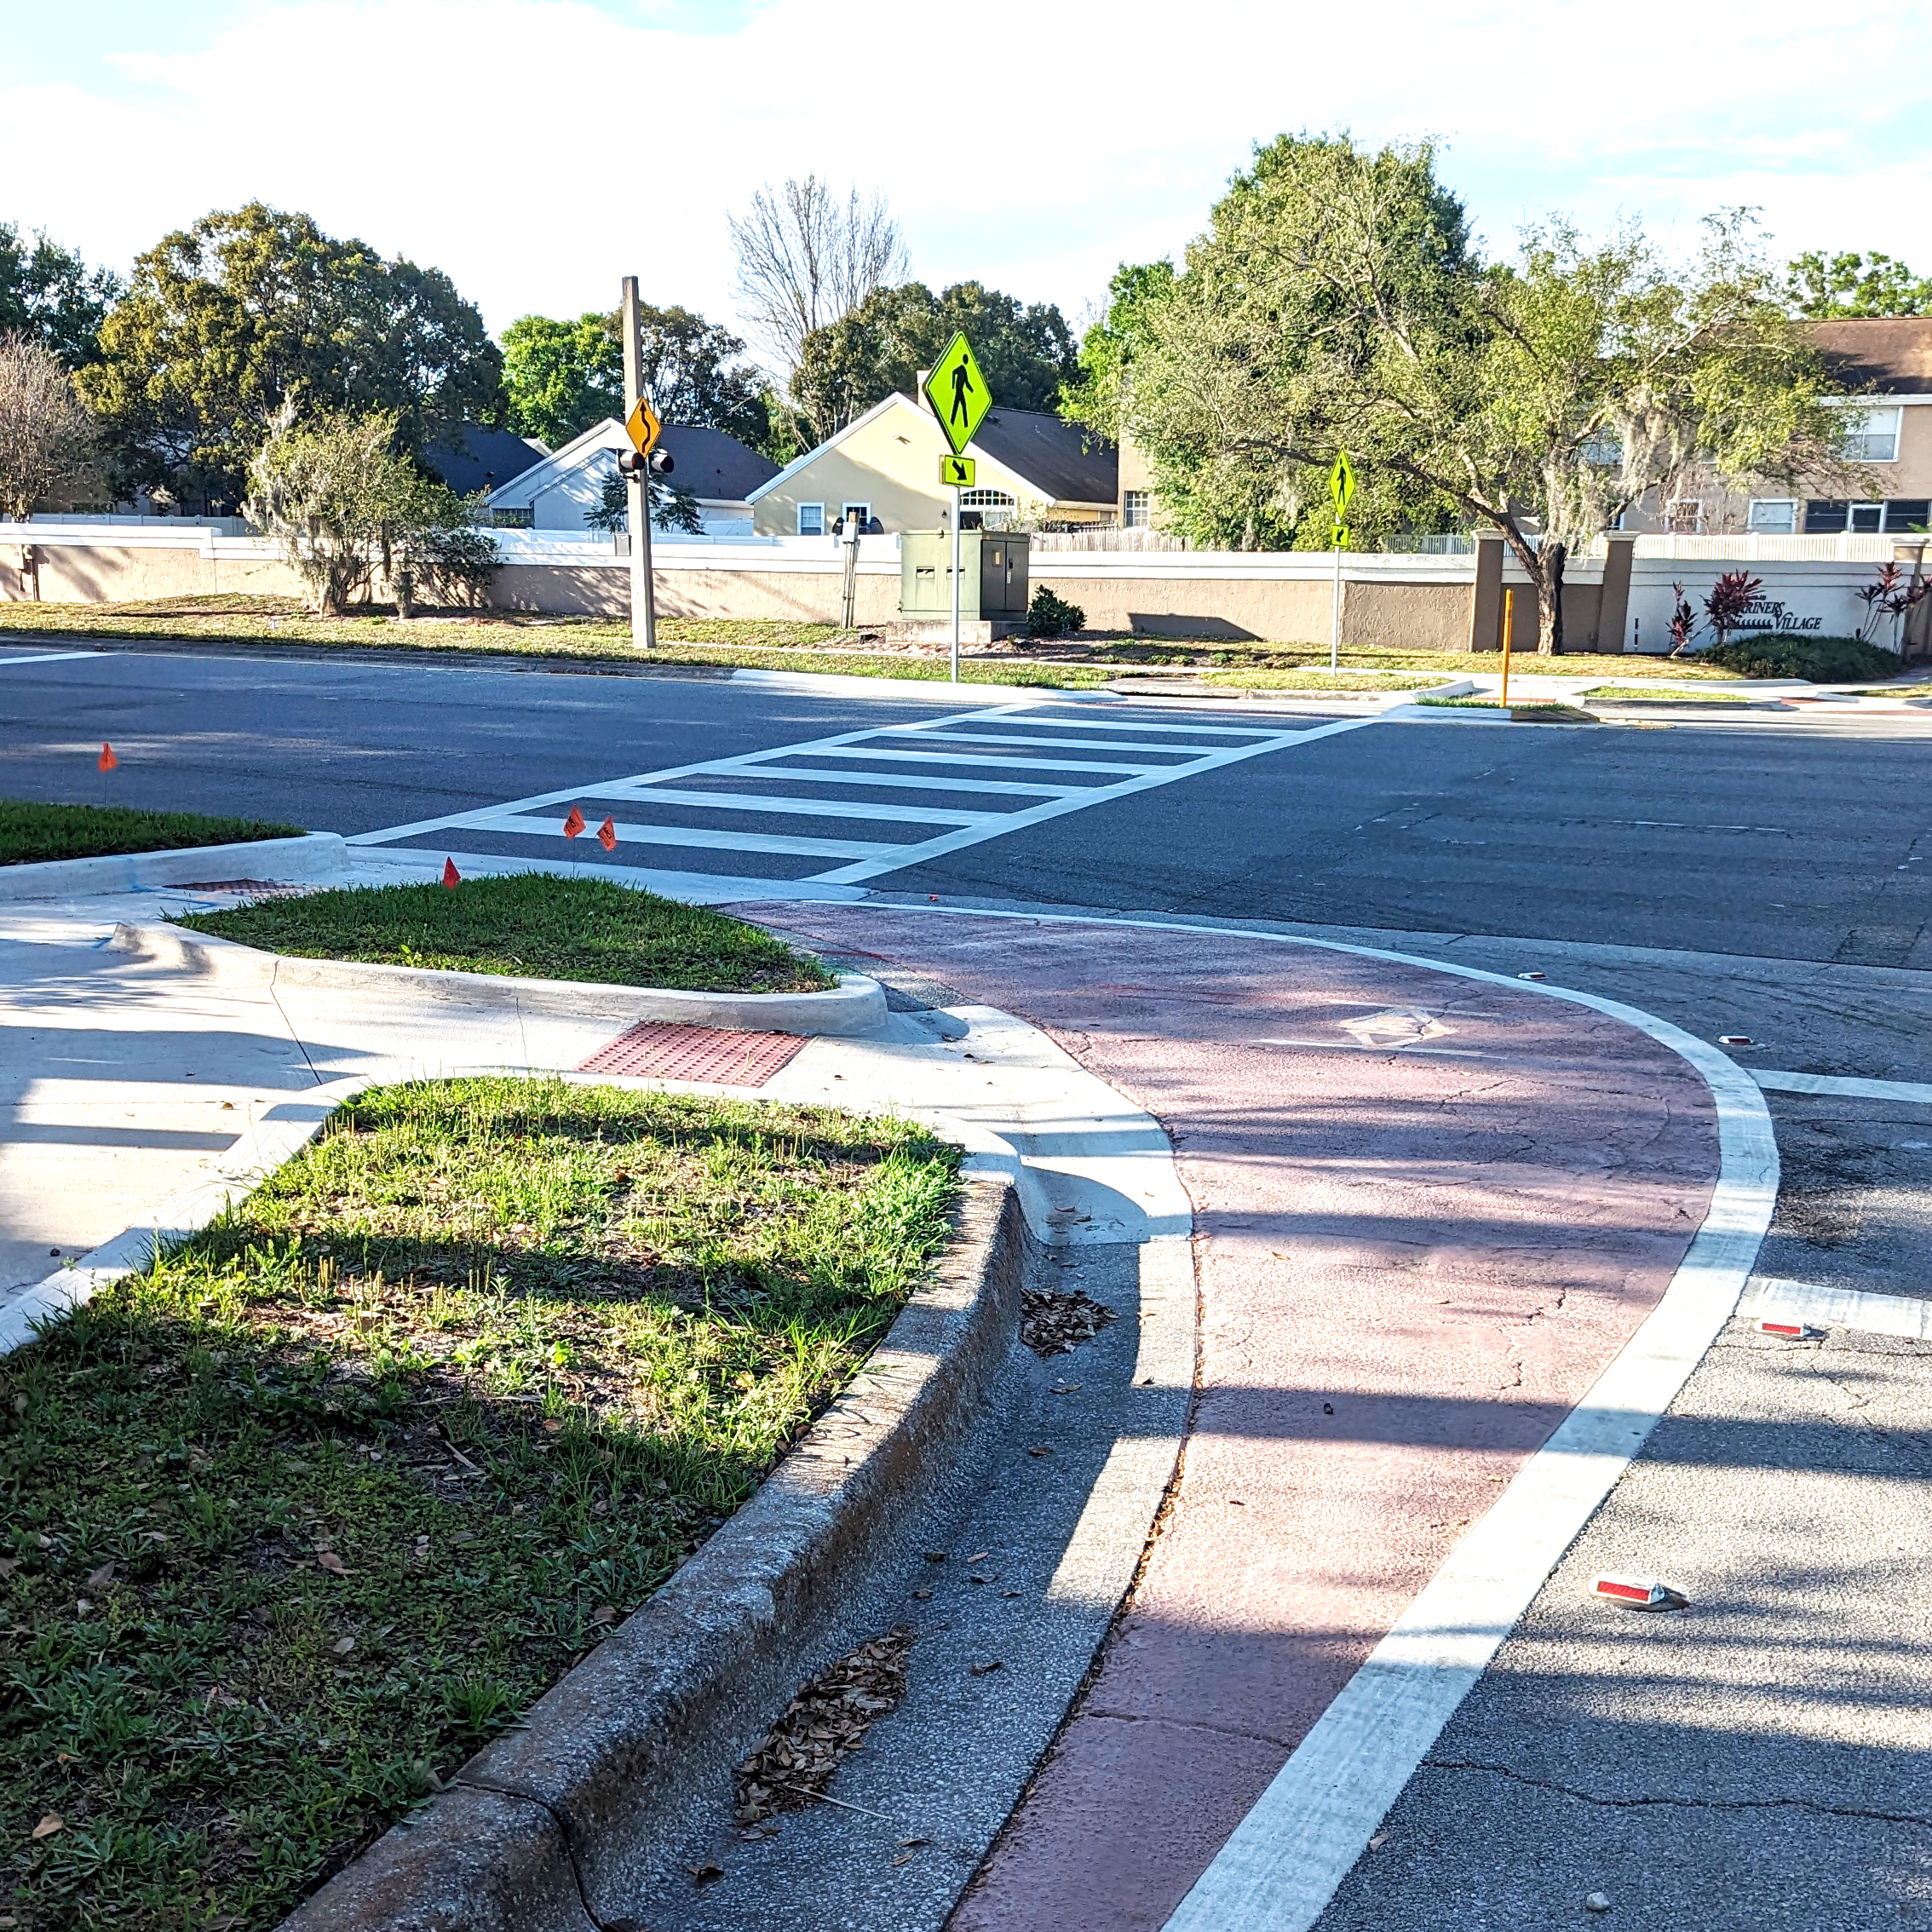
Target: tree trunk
1549, 600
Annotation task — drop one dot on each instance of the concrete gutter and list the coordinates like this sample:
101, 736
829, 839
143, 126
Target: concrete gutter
311, 858
857, 1005
539, 1829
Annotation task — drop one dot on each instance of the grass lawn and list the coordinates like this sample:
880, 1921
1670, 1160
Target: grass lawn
1635, 693
751, 644
529, 925
30, 832
1319, 681
301, 1518
1546, 708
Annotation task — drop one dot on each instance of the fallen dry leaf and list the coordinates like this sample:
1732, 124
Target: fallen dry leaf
828, 1718
49, 1825
987, 1669
99, 1579
1040, 1449
604, 1614
1053, 1323
704, 1874
344, 1645
979, 1556
331, 1562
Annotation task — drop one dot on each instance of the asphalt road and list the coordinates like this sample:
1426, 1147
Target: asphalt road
1758, 1761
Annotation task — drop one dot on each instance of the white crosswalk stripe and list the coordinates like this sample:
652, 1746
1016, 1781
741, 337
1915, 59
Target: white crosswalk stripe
972, 757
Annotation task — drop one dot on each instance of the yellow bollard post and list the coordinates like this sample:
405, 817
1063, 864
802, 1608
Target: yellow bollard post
1508, 624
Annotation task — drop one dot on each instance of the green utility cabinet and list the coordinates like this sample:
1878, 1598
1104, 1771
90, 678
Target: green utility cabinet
994, 566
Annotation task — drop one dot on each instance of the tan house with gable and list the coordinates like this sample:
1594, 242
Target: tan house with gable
885, 468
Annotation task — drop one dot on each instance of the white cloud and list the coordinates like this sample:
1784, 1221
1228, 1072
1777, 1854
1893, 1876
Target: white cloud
539, 149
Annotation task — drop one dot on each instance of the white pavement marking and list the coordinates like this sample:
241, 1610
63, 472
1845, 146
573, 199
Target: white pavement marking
1820, 1307
668, 814
49, 657
1914, 1093
1281, 1865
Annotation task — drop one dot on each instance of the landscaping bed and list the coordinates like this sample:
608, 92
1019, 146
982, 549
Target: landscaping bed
32, 834
304, 1516
1636, 695
526, 925
1822, 660
1536, 710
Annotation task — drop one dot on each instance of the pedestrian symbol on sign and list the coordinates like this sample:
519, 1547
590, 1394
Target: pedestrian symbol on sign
957, 391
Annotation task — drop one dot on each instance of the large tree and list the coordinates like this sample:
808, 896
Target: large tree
1336, 303
47, 292
228, 319
563, 377
1822, 287
48, 444
1026, 350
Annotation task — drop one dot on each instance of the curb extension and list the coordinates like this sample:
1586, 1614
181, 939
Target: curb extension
856, 1006
544, 1830
309, 858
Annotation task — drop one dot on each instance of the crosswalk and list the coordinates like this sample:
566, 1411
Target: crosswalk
841, 810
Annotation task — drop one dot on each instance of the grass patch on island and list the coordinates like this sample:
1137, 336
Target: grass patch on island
31, 833
528, 925
299, 1519
1636, 695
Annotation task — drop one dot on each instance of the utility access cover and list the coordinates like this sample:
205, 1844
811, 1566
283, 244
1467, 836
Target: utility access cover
957, 391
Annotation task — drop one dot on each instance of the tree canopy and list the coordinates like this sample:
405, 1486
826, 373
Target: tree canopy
1336, 302
563, 377
225, 321
1026, 350
1820, 287
49, 295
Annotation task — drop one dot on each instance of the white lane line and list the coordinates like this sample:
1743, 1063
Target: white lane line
1093, 795
1914, 1093
1821, 1306
701, 838
1282, 1864
807, 807
741, 760
51, 657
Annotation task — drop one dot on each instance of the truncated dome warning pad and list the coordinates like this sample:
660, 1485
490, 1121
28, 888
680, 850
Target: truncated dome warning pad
658, 1051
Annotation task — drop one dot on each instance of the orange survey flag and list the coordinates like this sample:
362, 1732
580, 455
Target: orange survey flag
451, 877
574, 824
107, 761
607, 835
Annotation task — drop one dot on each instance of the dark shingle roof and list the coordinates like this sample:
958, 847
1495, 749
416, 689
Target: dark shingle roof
711, 465
488, 459
1890, 354
1065, 461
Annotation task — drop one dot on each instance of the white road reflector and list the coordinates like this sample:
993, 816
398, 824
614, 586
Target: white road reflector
1733, 1039
1532, 975
1792, 1330
1642, 1593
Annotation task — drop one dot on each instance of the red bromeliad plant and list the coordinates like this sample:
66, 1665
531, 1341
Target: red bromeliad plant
1683, 621
1731, 597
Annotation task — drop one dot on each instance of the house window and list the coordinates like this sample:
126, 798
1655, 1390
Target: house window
1772, 516
811, 520
1136, 509
1825, 516
1876, 438
1867, 519
988, 499
1683, 516
862, 511
1908, 514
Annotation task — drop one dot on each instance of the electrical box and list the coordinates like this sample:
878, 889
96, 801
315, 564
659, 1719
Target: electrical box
994, 574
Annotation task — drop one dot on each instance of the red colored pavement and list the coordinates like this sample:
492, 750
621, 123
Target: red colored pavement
1410, 1263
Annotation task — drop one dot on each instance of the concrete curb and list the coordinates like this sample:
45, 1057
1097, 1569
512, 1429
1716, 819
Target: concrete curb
537, 1831
312, 856
858, 1005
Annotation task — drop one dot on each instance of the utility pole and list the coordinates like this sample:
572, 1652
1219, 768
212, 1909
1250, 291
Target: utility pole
643, 599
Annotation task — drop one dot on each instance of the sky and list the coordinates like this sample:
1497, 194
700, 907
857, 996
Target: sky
540, 150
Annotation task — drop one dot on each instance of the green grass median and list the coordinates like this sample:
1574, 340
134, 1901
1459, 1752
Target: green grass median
299, 1519
31, 833
528, 925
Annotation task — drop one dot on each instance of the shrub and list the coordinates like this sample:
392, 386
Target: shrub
1049, 616
1824, 660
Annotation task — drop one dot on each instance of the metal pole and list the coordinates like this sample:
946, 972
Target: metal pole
1508, 624
643, 603
1335, 617
959, 497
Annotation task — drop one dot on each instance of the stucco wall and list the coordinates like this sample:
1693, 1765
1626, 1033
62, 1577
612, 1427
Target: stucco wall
113, 574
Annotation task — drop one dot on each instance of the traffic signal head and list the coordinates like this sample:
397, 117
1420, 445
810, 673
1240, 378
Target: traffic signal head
658, 463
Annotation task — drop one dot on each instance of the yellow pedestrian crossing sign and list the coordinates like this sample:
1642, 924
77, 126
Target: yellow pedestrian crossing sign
957, 391
957, 472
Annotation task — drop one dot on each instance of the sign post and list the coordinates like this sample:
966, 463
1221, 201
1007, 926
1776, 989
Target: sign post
957, 391
640, 421
1341, 488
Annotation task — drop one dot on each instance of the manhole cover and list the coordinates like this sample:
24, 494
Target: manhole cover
658, 1051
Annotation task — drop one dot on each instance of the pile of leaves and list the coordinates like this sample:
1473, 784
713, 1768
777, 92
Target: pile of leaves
1055, 1322
827, 1719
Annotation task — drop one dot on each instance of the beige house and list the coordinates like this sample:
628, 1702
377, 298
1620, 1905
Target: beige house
884, 468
